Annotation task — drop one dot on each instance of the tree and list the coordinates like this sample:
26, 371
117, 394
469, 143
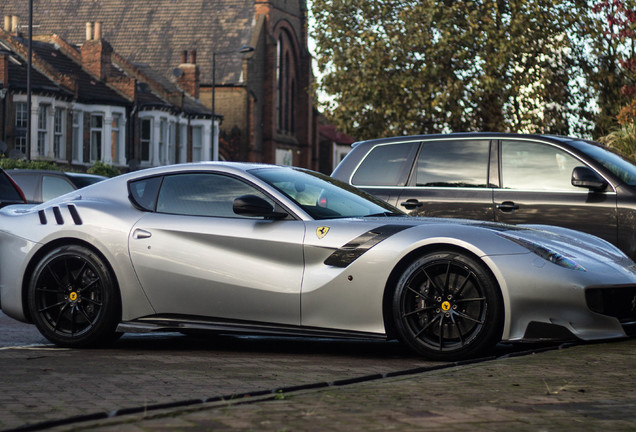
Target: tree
606, 43
397, 67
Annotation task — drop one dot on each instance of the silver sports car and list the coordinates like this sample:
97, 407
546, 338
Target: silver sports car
243, 248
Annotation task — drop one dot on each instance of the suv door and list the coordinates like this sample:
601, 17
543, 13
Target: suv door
451, 178
536, 188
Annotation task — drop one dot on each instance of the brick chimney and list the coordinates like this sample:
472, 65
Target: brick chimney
188, 80
96, 52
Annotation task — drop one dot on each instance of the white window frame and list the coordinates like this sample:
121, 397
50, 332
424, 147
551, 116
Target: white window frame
96, 149
42, 130
59, 133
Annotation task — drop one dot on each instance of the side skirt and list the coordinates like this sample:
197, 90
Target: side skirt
184, 324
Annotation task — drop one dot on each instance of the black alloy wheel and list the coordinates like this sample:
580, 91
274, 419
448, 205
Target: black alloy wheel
73, 299
447, 306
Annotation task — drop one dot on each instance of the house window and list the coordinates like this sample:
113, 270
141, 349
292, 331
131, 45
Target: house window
77, 136
197, 143
59, 145
42, 130
115, 141
97, 131
21, 119
146, 139
20, 127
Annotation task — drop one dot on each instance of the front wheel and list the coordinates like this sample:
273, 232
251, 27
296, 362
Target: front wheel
73, 298
447, 306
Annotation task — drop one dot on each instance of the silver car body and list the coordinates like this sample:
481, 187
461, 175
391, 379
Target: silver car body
177, 272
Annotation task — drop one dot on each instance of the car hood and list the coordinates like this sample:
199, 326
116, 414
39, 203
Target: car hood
549, 242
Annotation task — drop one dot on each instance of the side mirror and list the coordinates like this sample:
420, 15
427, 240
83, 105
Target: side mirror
587, 178
255, 206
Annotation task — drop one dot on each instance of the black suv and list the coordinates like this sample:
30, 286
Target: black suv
10, 192
510, 178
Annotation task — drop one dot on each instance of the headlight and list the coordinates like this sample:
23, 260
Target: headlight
545, 253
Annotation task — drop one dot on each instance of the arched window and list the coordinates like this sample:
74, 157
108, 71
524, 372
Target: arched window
285, 83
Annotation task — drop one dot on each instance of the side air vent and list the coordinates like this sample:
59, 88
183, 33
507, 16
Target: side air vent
42, 215
75, 214
58, 215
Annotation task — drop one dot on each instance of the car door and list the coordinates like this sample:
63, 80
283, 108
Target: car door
450, 179
536, 188
194, 256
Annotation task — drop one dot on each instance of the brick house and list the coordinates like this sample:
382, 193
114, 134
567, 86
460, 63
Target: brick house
262, 95
90, 104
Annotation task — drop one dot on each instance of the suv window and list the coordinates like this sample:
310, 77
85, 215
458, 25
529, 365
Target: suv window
385, 165
535, 166
462, 163
53, 186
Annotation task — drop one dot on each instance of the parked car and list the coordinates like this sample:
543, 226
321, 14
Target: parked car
42, 185
247, 248
10, 192
510, 178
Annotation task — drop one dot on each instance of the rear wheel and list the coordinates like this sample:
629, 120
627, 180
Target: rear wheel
447, 306
73, 299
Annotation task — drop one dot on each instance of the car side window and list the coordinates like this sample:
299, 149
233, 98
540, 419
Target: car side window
53, 186
385, 165
536, 166
203, 194
448, 163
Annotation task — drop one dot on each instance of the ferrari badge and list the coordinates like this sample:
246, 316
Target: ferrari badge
322, 231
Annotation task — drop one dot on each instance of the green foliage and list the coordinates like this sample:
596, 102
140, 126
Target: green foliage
395, 67
8, 163
623, 140
101, 168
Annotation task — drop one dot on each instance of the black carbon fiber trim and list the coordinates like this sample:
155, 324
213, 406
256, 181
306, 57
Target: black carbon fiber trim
75, 214
361, 244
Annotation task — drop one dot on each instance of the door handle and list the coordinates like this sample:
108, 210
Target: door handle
141, 234
507, 206
411, 204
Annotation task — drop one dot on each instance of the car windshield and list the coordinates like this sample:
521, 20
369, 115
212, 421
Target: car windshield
622, 168
323, 197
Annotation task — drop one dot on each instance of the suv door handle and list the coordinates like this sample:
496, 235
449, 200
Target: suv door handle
411, 204
507, 206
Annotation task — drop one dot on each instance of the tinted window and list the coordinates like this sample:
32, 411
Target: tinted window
27, 183
201, 194
143, 193
385, 165
536, 166
53, 186
8, 192
462, 163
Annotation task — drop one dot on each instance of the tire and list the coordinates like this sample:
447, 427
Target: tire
447, 306
73, 298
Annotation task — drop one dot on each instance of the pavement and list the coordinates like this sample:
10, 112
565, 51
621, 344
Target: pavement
570, 388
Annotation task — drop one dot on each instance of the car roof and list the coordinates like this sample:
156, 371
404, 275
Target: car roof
491, 135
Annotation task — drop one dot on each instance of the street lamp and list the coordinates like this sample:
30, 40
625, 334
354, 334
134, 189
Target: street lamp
214, 143
29, 83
